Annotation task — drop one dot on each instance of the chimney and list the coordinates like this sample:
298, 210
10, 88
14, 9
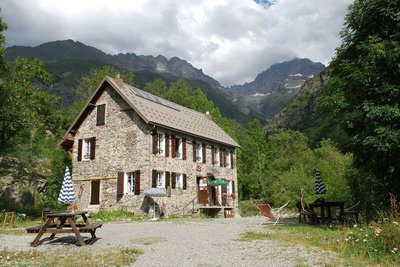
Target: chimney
118, 80
208, 115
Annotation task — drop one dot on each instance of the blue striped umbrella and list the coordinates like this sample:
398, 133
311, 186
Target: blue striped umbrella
319, 184
67, 193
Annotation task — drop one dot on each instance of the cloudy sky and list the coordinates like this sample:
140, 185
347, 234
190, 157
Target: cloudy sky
231, 40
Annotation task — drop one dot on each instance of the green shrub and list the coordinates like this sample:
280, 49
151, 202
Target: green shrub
248, 208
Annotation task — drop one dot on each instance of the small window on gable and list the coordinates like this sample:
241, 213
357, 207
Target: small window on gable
101, 115
216, 156
199, 153
86, 149
160, 144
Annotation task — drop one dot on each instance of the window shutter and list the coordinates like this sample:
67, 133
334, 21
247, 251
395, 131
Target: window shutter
154, 179
154, 145
212, 154
167, 179
120, 183
101, 114
166, 145
173, 180
173, 146
232, 159
80, 150
184, 149
184, 181
204, 152
137, 182
224, 157
92, 147
233, 187
194, 151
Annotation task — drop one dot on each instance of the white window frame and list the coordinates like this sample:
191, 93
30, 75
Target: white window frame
161, 143
179, 180
86, 149
160, 182
199, 152
178, 148
216, 156
129, 183
228, 158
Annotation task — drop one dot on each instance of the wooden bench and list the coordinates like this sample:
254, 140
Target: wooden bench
91, 228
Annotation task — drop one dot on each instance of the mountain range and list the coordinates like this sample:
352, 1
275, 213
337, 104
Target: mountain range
262, 98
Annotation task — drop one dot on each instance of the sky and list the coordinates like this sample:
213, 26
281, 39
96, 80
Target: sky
230, 40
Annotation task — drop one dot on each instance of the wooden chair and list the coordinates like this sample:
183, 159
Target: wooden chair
305, 214
271, 214
9, 218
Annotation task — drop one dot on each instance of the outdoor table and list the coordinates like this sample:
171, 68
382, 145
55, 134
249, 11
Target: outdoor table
328, 206
65, 224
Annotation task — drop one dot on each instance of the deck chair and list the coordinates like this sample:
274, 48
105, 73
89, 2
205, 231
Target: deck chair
269, 213
350, 214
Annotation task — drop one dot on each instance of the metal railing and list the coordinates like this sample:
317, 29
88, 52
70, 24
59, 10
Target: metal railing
190, 202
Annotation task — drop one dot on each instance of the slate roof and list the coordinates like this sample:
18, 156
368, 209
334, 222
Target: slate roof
160, 112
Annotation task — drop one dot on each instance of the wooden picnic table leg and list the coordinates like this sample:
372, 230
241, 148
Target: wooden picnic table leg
41, 232
329, 213
322, 214
76, 231
85, 219
62, 222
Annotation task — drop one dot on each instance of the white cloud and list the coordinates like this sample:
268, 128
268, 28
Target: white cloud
232, 41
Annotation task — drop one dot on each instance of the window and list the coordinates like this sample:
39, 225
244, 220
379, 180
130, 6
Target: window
160, 180
228, 158
179, 180
129, 182
216, 156
178, 147
86, 149
199, 152
101, 115
160, 144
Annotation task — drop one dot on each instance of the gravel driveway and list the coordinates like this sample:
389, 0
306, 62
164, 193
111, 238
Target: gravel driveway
189, 243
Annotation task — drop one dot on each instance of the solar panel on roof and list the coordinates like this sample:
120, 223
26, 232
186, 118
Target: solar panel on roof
153, 98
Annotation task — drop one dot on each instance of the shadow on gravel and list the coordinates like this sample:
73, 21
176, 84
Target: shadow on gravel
68, 240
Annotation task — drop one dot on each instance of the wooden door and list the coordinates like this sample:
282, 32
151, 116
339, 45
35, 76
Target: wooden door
202, 191
95, 193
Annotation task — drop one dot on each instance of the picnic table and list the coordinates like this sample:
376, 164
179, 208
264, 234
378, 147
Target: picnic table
65, 222
328, 205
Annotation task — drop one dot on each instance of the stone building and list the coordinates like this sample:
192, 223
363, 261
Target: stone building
126, 141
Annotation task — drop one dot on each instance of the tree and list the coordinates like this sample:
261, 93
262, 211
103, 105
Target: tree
365, 84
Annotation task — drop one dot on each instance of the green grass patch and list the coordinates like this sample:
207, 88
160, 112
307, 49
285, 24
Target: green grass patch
120, 257
376, 243
116, 215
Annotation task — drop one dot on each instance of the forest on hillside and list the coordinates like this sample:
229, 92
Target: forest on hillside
363, 92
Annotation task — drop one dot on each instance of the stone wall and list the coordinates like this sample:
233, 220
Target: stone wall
124, 144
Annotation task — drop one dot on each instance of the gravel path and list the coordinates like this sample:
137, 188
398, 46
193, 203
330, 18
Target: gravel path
188, 243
